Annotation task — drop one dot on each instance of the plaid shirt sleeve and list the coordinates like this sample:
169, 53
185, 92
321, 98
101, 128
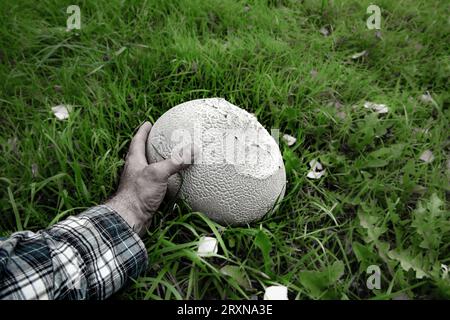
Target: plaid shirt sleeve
89, 256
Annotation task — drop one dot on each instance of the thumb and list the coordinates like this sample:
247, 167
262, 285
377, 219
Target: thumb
181, 159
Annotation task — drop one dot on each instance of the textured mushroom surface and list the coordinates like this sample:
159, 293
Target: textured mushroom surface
239, 174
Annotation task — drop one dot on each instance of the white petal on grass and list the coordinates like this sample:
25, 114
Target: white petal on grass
317, 170
276, 293
421, 131
378, 108
207, 247
359, 54
427, 98
61, 111
444, 269
290, 140
325, 31
315, 174
427, 156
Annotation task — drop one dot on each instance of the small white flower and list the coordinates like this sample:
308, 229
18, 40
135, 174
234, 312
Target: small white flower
427, 98
207, 247
427, 156
61, 111
290, 140
378, 108
359, 55
276, 293
317, 170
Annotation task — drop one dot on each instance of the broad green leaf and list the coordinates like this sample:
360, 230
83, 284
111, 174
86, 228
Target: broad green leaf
407, 261
318, 283
381, 157
237, 274
364, 255
431, 222
291, 160
263, 242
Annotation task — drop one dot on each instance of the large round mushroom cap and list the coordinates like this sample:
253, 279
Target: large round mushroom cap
238, 175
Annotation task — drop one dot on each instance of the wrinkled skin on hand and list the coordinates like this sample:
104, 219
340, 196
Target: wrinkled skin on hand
143, 185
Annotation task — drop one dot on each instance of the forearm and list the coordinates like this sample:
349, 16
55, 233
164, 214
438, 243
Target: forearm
127, 207
89, 256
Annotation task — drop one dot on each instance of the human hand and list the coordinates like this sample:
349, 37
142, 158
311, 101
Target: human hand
142, 185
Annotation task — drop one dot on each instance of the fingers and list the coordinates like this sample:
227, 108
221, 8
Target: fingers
181, 159
136, 153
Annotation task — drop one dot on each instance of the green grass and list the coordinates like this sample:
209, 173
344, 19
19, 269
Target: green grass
378, 203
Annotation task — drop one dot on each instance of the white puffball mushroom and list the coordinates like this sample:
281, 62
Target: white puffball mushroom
238, 175
207, 247
276, 293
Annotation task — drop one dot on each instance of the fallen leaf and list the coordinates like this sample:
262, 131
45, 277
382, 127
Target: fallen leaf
420, 131
290, 140
194, 67
378, 34
61, 111
325, 31
427, 98
341, 115
276, 293
13, 142
418, 46
444, 269
207, 247
314, 73
378, 108
427, 156
317, 170
359, 55
419, 189
34, 170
